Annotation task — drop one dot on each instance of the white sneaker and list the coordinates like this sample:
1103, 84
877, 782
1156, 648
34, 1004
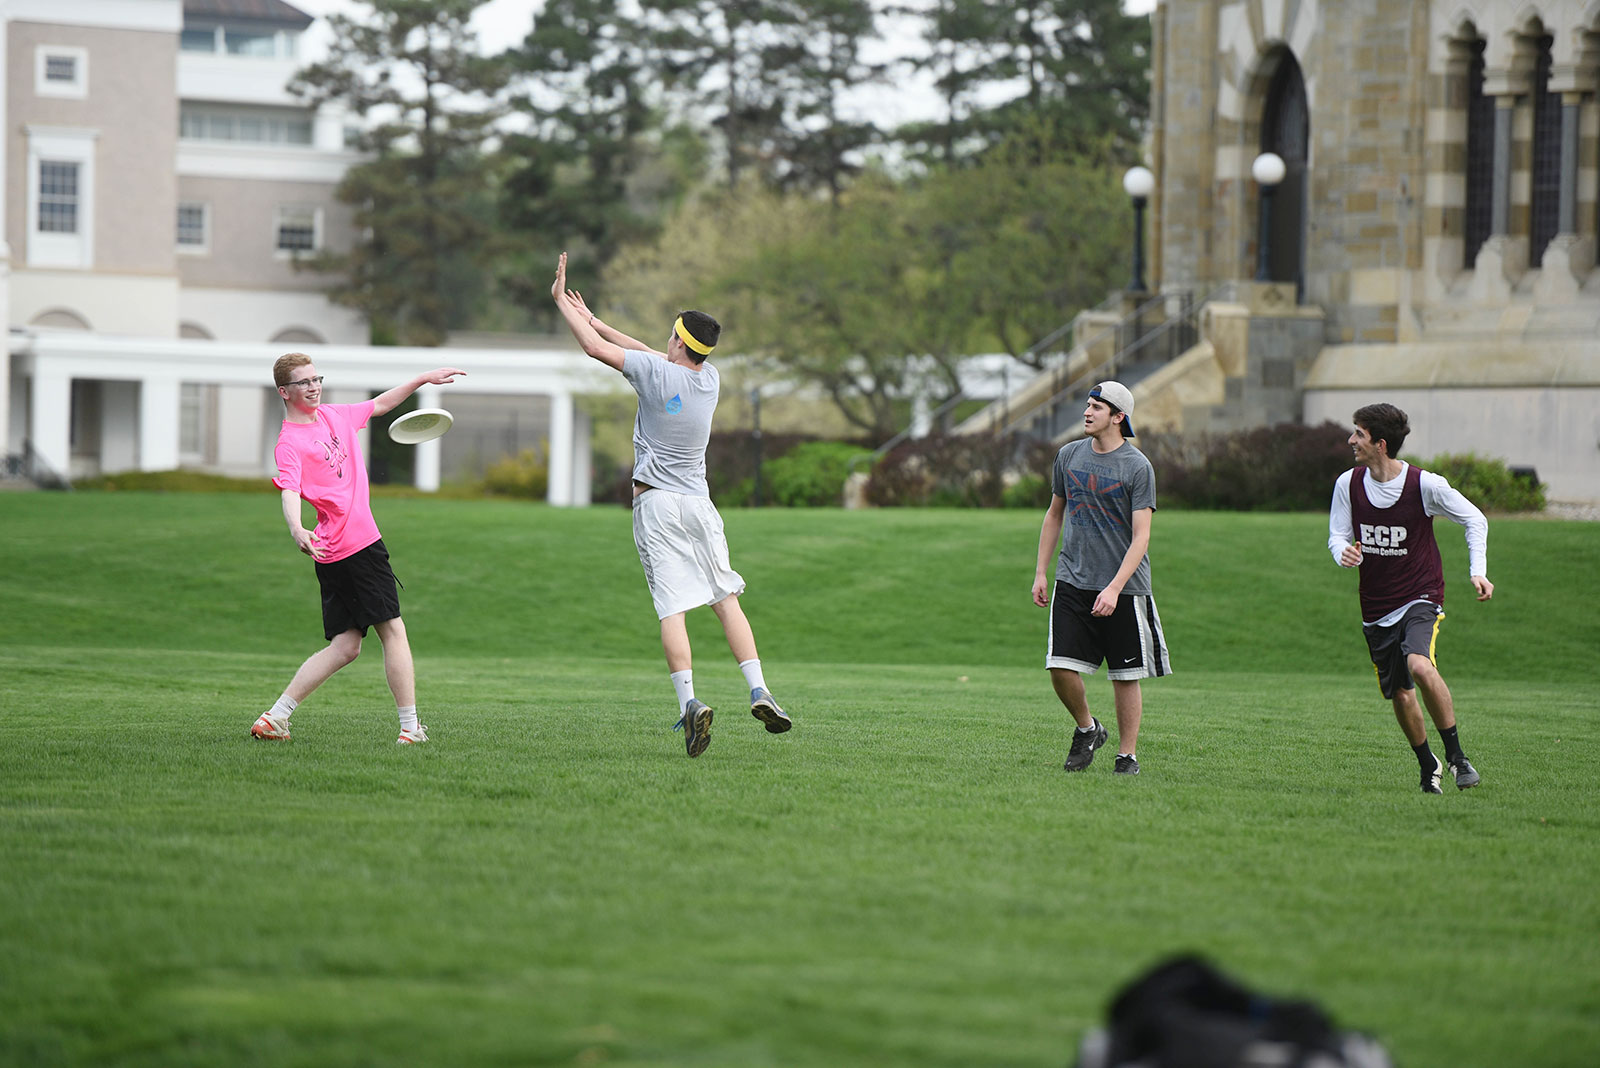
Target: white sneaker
270, 730
412, 737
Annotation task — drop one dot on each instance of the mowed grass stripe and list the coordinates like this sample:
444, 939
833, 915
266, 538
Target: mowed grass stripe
907, 877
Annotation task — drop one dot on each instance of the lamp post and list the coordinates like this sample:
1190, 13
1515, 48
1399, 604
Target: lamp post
1138, 183
1268, 170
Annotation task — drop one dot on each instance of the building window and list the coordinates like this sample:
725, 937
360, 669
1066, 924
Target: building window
249, 43
252, 125
1545, 210
198, 39
58, 197
255, 43
193, 230
59, 70
299, 229
60, 212
1479, 209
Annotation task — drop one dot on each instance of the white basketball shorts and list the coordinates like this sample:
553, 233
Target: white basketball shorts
683, 550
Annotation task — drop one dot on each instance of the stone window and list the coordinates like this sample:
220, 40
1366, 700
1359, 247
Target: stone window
1479, 210
1544, 219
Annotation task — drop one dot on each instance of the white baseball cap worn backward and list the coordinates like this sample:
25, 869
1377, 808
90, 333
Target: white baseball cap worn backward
1119, 397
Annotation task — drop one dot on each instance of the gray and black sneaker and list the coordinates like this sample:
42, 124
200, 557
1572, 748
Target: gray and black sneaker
1466, 775
1127, 764
1430, 778
765, 708
1084, 743
695, 723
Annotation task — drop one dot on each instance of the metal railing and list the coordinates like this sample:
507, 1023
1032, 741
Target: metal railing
1139, 352
28, 467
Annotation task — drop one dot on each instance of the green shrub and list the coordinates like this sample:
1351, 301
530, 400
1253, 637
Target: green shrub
811, 474
524, 475
1488, 483
1029, 491
1283, 468
179, 481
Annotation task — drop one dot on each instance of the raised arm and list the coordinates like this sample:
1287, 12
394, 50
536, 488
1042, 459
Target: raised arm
577, 315
611, 333
384, 403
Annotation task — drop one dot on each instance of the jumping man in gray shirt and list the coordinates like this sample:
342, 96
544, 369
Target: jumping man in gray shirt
676, 528
1103, 494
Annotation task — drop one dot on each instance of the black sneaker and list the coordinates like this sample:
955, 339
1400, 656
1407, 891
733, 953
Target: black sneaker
1431, 776
695, 723
1084, 743
1466, 775
1127, 764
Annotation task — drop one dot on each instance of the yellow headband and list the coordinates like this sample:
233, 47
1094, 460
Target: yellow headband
689, 339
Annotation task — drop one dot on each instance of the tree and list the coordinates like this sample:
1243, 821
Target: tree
1023, 246
816, 145
595, 171
422, 202
1080, 66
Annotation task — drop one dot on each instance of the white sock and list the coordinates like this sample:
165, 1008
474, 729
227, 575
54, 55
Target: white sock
283, 707
1085, 730
1130, 756
683, 682
752, 673
408, 717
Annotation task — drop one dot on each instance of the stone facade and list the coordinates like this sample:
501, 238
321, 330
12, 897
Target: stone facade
1442, 196
1386, 87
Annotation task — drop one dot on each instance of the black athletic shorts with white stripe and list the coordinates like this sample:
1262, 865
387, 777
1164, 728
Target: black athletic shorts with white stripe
1129, 640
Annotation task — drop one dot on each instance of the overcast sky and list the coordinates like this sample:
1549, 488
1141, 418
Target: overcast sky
502, 23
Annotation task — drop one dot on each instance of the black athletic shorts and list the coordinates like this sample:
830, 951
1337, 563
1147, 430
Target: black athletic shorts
1129, 640
358, 591
1414, 632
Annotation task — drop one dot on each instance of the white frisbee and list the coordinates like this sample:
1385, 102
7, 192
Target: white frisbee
424, 424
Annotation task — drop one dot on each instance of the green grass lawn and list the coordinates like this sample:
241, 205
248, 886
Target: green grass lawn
905, 878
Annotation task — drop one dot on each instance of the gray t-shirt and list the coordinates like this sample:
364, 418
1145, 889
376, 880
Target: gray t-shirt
674, 421
1102, 491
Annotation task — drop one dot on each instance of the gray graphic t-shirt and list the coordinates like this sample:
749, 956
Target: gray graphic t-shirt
674, 422
1102, 491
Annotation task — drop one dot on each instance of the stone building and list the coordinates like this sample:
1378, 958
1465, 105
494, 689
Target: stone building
1431, 242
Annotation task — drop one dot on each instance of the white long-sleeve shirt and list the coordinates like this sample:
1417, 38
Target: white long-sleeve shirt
1438, 498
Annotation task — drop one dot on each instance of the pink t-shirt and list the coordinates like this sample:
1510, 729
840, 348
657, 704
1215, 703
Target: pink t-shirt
322, 462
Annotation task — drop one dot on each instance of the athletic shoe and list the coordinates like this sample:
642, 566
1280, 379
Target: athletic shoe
1466, 775
270, 730
412, 737
1430, 777
1084, 743
765, 708
695, 723
1127, 764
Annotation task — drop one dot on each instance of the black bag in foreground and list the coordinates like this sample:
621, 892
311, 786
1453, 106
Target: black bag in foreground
1186, 1014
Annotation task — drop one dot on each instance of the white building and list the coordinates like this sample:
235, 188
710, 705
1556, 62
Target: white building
159, 182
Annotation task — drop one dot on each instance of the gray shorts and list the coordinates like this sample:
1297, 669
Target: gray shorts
683, 550
1415, 632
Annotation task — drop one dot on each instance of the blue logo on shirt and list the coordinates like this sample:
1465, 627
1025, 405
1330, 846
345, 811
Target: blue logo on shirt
675, 405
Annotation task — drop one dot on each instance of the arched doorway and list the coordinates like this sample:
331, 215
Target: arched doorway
1286, 130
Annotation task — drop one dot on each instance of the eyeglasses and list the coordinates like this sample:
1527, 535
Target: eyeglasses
304, 383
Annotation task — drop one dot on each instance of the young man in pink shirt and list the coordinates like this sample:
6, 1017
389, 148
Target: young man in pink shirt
319, 460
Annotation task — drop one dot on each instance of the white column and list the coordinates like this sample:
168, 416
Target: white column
560, 489
51, 416
425, 465
582, 460
159, 411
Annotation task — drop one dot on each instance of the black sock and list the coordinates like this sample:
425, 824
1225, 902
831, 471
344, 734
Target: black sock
1452, 745
1424, 756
